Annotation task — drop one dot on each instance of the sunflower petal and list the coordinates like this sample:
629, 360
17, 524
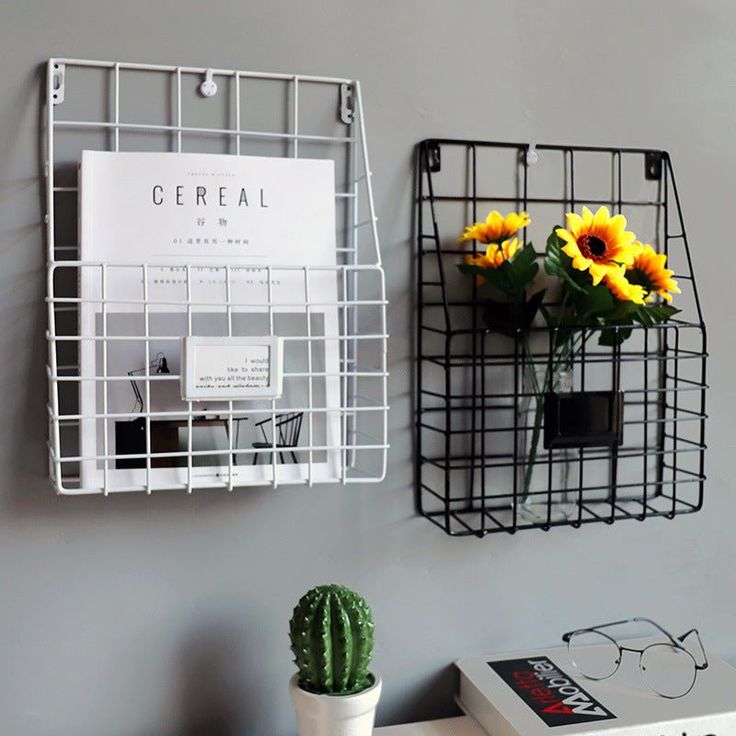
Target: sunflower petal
494, 218
597, 272
617, 224
581, 263
649, 268
601, 218
574, 223
566, 235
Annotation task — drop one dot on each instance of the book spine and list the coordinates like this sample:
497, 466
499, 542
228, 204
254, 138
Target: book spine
723, 724
474, 704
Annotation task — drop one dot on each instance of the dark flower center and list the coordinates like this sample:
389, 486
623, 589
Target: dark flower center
591, 246
641, 278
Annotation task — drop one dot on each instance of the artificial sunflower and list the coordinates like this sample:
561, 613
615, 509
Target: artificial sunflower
598, 243
495, 254
496, 228
621, 288
649, 272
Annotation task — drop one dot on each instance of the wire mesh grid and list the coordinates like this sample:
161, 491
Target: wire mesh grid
473, 468
335, 368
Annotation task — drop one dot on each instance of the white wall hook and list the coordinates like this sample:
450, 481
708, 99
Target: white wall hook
208, 88
531, 154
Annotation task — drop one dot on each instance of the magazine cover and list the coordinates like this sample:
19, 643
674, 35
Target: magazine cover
204, 212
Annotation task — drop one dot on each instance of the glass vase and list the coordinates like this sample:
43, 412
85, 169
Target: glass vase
544, 482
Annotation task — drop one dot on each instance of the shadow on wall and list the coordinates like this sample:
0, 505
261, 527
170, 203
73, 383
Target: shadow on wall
210, 697
430, 698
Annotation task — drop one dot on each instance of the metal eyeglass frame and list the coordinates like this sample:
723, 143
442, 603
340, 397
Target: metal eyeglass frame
676, 642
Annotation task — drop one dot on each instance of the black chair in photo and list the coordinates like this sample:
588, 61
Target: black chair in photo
285, 428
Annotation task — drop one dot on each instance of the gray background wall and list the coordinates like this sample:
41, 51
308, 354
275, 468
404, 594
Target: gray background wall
163, 615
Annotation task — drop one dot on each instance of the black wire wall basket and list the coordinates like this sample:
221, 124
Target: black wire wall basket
620, 432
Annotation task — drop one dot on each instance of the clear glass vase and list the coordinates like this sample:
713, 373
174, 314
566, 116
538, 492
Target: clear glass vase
545, 478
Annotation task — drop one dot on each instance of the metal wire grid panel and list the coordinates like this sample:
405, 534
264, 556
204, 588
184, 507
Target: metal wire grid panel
117, 106
470, 423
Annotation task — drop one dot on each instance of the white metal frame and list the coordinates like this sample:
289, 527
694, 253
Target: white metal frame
360, 278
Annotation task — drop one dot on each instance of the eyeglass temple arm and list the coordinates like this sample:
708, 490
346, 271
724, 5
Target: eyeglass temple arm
684, 636
636, 619
567, 636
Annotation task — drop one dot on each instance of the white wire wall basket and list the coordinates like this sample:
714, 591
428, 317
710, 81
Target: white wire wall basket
328, 422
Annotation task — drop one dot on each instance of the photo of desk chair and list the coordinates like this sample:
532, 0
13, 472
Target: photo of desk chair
286, 429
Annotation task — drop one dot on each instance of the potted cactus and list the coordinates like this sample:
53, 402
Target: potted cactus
334, 692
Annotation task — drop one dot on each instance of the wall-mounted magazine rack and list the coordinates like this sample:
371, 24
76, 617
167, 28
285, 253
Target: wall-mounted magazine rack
473, 424
108, 429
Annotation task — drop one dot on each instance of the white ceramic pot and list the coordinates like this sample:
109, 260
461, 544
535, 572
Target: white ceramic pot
335, 715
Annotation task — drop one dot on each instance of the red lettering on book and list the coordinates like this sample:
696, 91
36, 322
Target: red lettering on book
558, 707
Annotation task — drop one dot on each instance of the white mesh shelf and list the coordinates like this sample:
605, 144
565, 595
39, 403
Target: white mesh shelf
340, 407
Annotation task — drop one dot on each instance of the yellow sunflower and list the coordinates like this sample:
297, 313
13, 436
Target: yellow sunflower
496, 228
598, 243
648, 270
621, 288
495, 254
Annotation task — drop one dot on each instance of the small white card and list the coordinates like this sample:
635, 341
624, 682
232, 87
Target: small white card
231, 368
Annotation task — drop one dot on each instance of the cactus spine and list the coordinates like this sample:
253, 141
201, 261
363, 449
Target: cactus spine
331, 634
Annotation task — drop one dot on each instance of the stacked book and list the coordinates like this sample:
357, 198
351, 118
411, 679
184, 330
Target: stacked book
539, 693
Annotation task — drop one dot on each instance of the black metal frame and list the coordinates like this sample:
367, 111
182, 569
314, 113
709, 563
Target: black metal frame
676, 642
468, 378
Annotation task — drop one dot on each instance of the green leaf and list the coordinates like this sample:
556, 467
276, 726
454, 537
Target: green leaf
511, 277
499, 277
611, 338
468, 269
662, 312
598, 301
510, 317
623, 310
526, 256
626, 313
525, 278
653, 314
523, 269
644, 317
553, 255
557, 263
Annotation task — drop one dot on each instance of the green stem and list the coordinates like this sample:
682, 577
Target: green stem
563, 358
538, 411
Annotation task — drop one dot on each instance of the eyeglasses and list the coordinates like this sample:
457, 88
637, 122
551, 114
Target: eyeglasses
666, 667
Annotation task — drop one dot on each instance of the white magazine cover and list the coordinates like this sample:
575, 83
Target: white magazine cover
173, 210
540, 693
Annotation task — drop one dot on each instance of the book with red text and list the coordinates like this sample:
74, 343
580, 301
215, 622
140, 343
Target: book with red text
539, 693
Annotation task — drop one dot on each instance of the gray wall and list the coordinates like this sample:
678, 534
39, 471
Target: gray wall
137, 616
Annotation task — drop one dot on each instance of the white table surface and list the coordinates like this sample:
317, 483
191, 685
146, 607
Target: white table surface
462, 726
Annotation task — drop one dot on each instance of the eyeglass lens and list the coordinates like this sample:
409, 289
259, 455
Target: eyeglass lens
593, 654
668, 670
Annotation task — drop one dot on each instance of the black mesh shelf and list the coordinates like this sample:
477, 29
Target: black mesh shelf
469, 379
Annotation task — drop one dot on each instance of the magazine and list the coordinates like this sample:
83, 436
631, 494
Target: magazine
177, 244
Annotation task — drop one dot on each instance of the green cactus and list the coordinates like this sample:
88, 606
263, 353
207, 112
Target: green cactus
331, 634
